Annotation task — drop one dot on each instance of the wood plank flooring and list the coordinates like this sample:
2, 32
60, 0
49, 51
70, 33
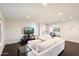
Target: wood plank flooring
71, 49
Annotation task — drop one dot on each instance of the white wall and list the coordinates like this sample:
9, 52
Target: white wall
14, 30
70, 30
43, 29
2, 42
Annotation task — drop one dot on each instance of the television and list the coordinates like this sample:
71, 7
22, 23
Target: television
28, 30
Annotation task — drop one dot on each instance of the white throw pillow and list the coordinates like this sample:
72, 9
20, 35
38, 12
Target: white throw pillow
45, 37
57, 39
45, 45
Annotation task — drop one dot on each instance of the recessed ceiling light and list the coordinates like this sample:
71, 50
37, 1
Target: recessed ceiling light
44, 4
60, 13
28, 16
70, 17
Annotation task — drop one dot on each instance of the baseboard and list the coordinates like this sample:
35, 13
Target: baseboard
72, 41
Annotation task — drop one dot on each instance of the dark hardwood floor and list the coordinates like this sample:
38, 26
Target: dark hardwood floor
11, 49
71, 49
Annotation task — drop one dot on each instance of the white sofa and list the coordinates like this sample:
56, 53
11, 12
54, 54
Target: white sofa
50, 47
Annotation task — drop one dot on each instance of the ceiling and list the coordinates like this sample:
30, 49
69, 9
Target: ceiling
39, 13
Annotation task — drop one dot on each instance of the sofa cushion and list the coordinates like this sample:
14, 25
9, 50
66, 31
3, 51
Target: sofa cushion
45, 45
45, 37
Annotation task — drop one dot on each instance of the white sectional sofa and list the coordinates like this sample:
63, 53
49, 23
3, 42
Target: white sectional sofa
49, 47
